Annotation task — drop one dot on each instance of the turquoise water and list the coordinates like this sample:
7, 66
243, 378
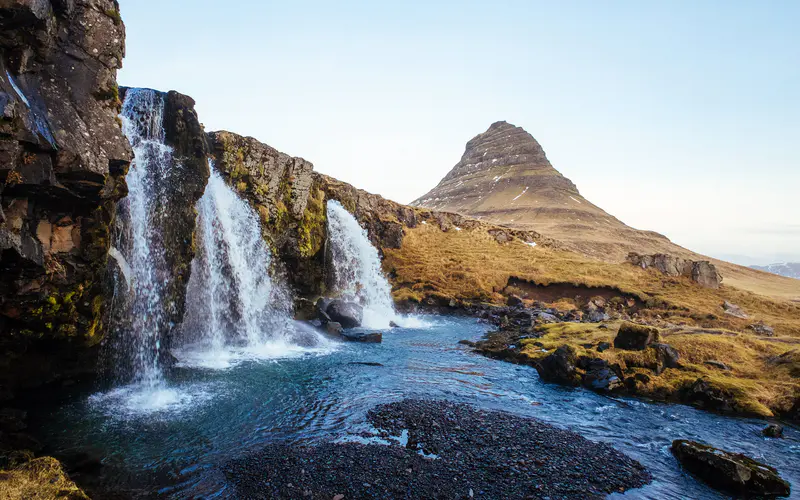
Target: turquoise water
170, 444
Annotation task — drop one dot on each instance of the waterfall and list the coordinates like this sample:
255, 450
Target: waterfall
142, 319
234, 305
357, 273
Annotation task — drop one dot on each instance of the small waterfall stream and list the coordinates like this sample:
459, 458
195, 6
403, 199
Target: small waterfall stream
138, 244
234, 306
357, 269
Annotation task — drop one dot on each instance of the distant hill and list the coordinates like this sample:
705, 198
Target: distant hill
788, 269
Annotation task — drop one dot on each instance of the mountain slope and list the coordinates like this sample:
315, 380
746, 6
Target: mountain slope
504, 177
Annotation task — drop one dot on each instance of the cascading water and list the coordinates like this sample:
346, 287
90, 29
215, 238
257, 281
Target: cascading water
138, 243
141, 309
233, 304
357, 269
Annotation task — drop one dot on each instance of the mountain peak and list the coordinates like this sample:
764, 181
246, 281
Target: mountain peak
504, 177
503, 164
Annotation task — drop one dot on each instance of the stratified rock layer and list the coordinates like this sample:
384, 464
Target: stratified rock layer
62, 164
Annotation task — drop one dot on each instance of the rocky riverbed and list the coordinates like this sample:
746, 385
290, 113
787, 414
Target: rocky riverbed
440, 449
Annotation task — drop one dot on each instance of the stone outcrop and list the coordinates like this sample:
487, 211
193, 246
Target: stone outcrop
731, 472
559, 366
733, 310
63, 159
702, 272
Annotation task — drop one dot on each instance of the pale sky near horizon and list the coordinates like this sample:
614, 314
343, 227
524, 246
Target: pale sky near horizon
680, 116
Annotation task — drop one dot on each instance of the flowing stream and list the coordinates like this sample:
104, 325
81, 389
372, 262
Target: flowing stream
317, 397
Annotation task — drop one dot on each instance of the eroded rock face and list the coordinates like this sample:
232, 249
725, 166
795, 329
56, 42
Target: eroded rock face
731, 472
63, 159
701, 272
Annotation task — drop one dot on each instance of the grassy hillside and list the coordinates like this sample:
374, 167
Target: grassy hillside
471, 265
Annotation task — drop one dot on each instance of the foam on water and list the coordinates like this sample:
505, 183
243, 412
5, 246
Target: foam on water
140, 400
237, 308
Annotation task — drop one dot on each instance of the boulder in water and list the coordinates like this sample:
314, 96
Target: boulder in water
773, 431
320, 306
559, 366
348, 314
731, 472
633, 337
333, 328
367, 337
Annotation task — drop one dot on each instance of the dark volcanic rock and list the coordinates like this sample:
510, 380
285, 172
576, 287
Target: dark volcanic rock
559, 366
730, 472
479, 454
347, 314
705, 395
367, 337
63, 159
333, 327
599, 376
666, 357
773, 431
635, 337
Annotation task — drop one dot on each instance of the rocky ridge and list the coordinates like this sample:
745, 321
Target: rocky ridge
63, 159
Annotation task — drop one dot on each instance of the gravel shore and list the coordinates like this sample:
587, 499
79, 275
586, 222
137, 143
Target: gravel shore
451, 451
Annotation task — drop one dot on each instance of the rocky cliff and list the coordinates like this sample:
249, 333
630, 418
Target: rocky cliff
63, 159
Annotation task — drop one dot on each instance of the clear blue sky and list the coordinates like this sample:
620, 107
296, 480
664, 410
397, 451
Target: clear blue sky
677, 116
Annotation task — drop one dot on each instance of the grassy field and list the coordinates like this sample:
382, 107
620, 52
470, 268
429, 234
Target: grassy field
470, 265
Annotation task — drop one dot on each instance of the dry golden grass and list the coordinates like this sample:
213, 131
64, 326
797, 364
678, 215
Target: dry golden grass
39, 479
759, 381
471, 265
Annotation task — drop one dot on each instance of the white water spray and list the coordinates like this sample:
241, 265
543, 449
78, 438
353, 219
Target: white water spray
147, 272
357, 270
235, 307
